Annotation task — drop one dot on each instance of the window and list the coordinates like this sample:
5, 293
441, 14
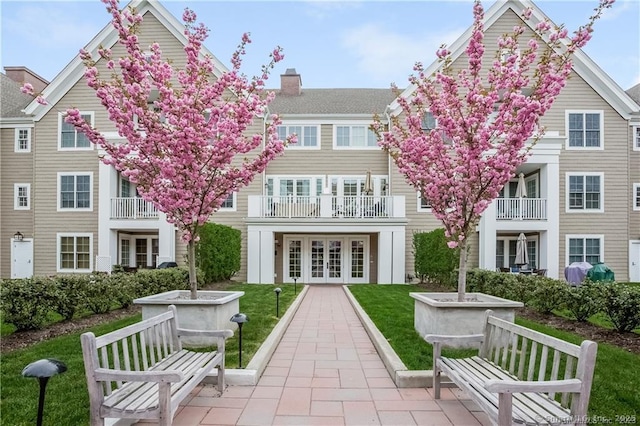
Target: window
636, 196
354, 137
75, 252
230, 203
636, 138
428, 122
584, 129
295, 259
23, 140
585, 248
75, 191
423, 204
22, 196
125, 252
307, 135
70, 139
585, 192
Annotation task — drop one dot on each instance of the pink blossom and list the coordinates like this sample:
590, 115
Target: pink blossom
27, 88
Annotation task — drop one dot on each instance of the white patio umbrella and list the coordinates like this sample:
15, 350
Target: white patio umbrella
522, 257
368, 184
521, 190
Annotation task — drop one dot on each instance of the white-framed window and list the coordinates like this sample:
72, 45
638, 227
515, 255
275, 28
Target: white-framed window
69, 139
22, 196
74, 252
585, 130
428, 122
125, 252
636, 138
424, 205
584, 248
354, 137
23, 139
636, 196
308, 135
506, 249
75, 191
585, 192
229, 205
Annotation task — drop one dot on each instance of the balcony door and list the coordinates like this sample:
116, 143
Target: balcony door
326, 260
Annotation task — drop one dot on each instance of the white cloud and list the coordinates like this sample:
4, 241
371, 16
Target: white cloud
320, 9
388, 55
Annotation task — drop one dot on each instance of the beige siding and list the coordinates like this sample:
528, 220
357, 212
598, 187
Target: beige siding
16, 168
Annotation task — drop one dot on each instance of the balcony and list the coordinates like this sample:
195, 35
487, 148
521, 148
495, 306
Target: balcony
327, 206
132, 208
521, 209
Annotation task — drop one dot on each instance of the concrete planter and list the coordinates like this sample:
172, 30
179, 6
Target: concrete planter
210, 311
441, 313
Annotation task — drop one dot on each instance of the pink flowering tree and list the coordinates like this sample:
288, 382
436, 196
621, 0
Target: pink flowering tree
188, 134
486, 120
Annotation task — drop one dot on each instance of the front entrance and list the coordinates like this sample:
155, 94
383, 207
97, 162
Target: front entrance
22, 258
327, 259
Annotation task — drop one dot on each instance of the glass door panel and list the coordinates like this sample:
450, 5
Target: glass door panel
317, 260
334, 263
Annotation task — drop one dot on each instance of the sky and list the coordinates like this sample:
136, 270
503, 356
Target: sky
331, 44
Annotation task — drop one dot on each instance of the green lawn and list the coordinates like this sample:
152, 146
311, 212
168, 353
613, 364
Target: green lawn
67, 401
617, 374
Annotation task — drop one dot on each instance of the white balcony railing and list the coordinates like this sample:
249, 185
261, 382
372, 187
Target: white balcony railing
326, 206
132, 208
521, 209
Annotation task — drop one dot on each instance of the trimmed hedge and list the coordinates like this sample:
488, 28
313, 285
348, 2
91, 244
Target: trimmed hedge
434, 260
27, 303
218, 252
619, 301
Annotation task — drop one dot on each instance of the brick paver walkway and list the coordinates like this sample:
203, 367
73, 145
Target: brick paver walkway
326, 371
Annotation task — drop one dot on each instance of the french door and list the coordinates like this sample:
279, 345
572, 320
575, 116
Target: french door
326, 260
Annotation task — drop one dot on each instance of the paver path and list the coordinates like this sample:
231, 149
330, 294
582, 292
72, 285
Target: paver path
326, 371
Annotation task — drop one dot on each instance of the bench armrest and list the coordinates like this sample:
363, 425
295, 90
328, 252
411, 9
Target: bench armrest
452, 340
513, 386
205, 333
107, 374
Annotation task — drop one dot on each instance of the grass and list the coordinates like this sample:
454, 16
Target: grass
67, 401
617, 374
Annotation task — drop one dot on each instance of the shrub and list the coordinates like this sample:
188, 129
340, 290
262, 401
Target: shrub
549, 294
434, 260
100, 294
622, 305
26, 302
585, 300
71, 291
218, 252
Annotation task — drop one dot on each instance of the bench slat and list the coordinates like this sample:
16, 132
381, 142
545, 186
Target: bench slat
131, 329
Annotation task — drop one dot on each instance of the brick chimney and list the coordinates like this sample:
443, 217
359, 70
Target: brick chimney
290, 83
23, 75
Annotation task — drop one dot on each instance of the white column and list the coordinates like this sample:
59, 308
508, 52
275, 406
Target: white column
253, 256
267, 257
487, 238
166, 240
398, 256
385, 257
107, 239
552, 185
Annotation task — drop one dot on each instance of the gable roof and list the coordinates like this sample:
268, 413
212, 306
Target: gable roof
584, 66
13, 100
108, 37
352, 102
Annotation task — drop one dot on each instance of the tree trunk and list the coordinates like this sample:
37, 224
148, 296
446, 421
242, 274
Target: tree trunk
193, 280
462, 272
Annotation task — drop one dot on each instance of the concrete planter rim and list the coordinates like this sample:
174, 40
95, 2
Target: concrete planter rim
181, 297
484, 300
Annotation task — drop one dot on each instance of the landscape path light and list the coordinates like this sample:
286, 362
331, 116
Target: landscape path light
239, 319
278, 290
42, 370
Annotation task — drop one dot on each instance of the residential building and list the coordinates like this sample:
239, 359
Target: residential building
333, 208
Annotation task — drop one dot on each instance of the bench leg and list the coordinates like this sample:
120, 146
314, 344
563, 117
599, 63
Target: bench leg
504, 409
436, 371
164, 403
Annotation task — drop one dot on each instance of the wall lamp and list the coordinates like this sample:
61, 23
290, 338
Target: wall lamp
18, 236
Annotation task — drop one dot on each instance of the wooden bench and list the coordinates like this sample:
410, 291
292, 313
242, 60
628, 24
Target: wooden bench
520, 376
142, 372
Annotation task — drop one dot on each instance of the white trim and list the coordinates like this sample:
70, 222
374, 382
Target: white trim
566, 192
59, 235
635, 197
16, 204
635, 137
234, 208
421, 209
566, 129
74, 148
583, 237
288, 123
59, 199
16, 147
351, 124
